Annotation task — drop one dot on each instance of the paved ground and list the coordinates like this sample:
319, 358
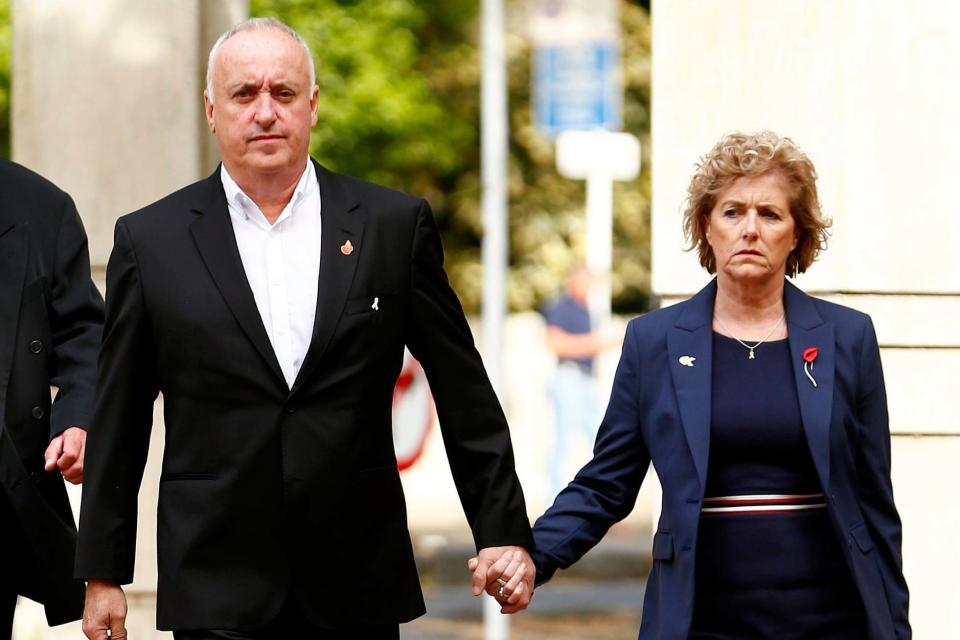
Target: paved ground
599, 598
567, 610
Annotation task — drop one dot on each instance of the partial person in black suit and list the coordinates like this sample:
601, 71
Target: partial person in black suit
270, 304
51, 317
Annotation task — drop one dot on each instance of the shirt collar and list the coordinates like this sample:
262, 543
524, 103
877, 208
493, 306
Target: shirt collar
241, 205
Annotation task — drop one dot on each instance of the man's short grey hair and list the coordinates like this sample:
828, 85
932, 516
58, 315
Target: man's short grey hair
255, 24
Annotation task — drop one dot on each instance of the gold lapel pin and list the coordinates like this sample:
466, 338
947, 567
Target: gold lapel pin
346, 248
687, 361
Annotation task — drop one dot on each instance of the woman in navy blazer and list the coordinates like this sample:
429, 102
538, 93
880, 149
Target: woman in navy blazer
764, 414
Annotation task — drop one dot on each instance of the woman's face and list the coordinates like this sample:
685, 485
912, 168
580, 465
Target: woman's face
750, 229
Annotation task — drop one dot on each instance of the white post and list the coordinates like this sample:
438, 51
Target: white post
599, 157
493, 166
600, 244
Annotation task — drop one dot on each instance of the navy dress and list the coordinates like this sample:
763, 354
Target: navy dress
769, 564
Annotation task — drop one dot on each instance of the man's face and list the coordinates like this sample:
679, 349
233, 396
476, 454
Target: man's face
262, 107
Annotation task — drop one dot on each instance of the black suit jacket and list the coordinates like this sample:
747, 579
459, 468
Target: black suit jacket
265, 488
50, 321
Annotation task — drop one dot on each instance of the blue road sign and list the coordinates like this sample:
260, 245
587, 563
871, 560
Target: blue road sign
577, 87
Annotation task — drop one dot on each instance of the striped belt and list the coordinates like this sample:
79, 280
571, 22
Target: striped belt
763, 503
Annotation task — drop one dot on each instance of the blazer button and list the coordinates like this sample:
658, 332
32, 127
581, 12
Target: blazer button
36, 346
290, 410
37, 412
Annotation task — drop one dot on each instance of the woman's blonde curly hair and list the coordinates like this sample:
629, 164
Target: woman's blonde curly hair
742, 154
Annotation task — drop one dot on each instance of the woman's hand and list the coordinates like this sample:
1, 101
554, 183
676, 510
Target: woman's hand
509, 578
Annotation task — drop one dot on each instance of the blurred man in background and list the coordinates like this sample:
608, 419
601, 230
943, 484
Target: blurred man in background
572, 338
51, 317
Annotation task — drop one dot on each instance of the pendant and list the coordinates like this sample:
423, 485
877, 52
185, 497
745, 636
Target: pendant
751, 355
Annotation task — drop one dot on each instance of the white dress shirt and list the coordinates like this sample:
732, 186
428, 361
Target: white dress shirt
282, 263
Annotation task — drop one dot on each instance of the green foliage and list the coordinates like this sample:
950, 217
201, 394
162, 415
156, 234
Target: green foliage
6, 45
400, 91
547, 225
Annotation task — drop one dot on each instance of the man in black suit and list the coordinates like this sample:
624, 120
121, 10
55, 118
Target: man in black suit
270, 304
51, 316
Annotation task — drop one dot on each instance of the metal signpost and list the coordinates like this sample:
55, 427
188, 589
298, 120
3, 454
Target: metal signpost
578, 97
493, 170
599, 157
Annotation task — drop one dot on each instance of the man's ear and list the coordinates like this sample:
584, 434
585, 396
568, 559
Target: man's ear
314, 103
208, 110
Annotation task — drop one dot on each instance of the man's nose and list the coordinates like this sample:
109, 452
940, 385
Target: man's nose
266, 112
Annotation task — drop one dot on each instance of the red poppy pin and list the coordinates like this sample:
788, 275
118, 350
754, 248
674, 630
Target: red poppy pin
809, 355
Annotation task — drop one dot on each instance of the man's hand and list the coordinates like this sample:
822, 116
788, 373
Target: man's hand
105, 609
507, 574
66, 453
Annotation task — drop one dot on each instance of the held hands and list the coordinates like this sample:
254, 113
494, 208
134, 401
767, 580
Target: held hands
66, 453
507, 574
105, 609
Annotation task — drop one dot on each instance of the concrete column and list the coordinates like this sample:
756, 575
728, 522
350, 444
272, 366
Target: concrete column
860, 86
107, 103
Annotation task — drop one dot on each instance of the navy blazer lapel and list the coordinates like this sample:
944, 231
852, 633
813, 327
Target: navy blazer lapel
340, 223
805, 328
13, 270
214, 237
692, 335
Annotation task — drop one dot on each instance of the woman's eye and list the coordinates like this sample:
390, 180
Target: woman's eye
729, 213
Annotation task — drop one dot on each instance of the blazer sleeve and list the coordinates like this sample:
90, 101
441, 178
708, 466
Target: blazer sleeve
76, 322
605, 490
875, 488
116, 449
474, 428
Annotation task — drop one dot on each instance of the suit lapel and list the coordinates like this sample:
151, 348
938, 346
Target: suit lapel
692, 336
340, 223
13, 262
217, 244
807, 329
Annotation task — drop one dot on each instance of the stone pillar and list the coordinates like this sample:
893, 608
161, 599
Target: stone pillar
861, 88
107, 103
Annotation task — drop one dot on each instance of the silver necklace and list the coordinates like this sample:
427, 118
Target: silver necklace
754, 346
